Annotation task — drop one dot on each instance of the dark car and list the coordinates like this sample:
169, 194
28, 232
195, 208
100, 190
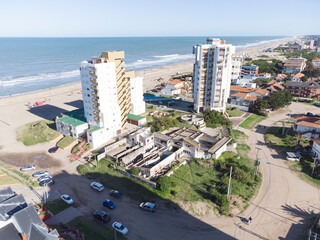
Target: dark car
310, 114
47, 182
53, 149
115, 193
109, 204
101, 215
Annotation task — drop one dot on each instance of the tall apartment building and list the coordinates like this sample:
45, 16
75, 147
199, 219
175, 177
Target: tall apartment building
212, 73
109, 95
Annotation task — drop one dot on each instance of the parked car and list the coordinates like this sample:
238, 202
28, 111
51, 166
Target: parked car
53, 149
109, 204
45, 177
101, 215
317, 104
97, 186
28, 167
66, 198
47, 182
148, 206
115, 193
40, 173
120, 228
310, 114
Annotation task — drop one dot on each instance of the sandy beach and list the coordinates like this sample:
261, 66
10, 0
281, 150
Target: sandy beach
15, 111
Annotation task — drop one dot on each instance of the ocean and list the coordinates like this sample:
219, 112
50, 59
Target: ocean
34, 64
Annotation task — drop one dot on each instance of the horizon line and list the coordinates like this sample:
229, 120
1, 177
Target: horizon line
154, 36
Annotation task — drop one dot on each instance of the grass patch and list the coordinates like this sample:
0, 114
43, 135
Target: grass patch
93, 229
243, 149
252, 121
303, 172
37, 132
234, 112
200, 180
58, 205
113, 179
8, 180
66, 142
238, 135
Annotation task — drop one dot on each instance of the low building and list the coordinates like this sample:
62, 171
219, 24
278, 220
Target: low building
136, 120
274, 86
294, 65
298, 77
316, 62
242, 98
246, 82
72, 123
249, 70
303, 89
21, 221
173, 87
281, 77
308, 127
142, 137
315, 151
292, 156
264, 75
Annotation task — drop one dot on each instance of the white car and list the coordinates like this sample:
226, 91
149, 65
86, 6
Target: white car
97, 186
148, 206
66, 198
120, 228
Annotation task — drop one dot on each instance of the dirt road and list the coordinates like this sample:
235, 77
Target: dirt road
279, 210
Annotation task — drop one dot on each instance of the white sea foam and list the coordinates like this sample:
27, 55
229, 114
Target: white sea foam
42, 77
159, 60
255, 44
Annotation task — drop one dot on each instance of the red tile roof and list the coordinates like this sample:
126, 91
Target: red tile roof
261, 91
240, 89
239, 94
308, 121
251, 98
174, 82
299, 75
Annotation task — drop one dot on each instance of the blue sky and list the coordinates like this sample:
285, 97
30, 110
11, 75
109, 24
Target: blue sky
110, 18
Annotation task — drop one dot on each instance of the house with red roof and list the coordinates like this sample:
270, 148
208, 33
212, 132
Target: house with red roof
308, 127
173, 87
316, 62
242, 98
297, 77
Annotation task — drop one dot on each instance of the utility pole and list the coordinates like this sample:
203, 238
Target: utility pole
229, 185
314, 165
115, 234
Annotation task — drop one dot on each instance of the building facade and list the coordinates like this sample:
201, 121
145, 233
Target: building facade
294, 65
212, 73
109, 94
303, 89
249, 70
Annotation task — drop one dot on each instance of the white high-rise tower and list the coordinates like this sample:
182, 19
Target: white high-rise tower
212, 73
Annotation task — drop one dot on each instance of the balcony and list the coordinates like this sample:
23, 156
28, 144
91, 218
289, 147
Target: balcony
93, 73
94, 87
93, 80
95, 93
96, 100
97, 114
95, 106
97, 119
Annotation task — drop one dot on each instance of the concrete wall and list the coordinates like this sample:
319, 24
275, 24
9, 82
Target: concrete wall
115, 145
152, 184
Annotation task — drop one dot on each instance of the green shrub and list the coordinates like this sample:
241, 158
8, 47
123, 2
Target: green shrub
165, 184
134, 171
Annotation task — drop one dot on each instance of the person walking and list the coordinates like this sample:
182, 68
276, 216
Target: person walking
249, 220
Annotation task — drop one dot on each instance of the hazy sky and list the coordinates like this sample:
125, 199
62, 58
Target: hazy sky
109, 18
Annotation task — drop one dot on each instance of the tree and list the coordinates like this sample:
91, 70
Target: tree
165, 184
215, 118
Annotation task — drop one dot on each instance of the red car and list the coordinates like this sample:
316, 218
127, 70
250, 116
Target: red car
53, 150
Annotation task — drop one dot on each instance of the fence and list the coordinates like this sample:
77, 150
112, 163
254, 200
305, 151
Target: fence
152, 184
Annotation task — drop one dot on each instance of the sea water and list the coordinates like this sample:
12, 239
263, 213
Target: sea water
33, 64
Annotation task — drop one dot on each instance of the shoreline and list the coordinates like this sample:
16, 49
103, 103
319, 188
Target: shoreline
150, 75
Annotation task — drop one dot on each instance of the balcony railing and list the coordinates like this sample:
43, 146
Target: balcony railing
97, 114
94, 87
96, 100
97, 119
92, 73
96, 94
93, 80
